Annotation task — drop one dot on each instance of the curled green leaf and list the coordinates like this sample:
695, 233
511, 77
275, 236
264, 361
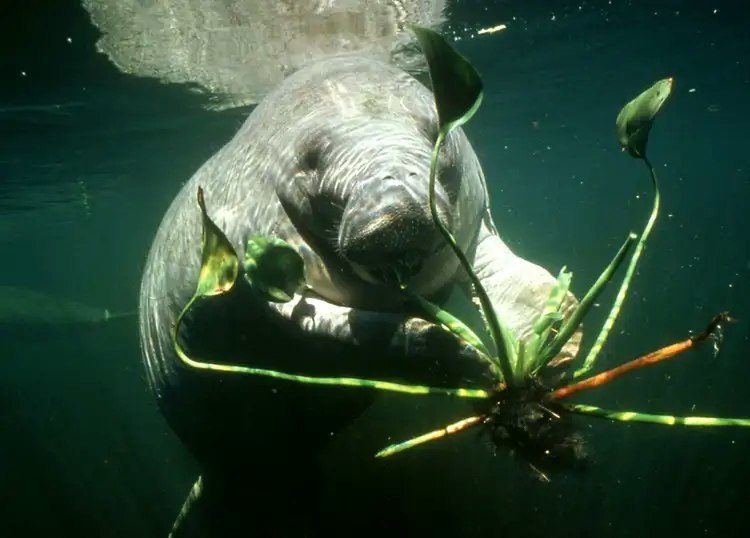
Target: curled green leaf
273, 268
219, 267
635, 119
456, 84
219, 262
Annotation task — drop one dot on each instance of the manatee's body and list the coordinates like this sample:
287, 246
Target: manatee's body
335, 162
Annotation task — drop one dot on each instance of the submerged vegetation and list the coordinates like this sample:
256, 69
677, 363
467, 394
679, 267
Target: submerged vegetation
525, 408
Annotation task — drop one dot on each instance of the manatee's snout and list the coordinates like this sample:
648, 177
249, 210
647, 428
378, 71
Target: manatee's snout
387, 232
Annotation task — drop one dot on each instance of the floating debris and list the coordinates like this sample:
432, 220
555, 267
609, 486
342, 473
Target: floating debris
493, 29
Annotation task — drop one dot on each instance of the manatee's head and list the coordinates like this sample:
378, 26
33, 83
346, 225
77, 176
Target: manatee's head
362, 197
386, 232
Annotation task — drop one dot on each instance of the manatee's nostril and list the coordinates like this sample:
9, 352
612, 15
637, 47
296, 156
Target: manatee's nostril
410, 176
388, 237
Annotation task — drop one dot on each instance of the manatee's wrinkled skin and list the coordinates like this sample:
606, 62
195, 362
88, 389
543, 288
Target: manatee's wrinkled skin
335, 161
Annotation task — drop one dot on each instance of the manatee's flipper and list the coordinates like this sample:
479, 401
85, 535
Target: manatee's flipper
227, 505
21, 306
390, 345
518, 288
193, 495
118, 315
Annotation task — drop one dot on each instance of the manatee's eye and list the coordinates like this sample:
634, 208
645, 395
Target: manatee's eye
311, 150
310, 159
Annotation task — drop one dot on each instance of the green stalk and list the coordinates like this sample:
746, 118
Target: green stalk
520, 366
335, 381
666, 420
456, 326
544, 323
570, 326
499, 332
621, 294
195, 492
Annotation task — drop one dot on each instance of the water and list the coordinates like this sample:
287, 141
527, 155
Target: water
90, 159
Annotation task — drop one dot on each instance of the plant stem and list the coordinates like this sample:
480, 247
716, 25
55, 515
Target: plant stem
570, 326
667, 420
435, 434
335, 381
496, 330
605, 377
652, 358
453, 324
617, 306
195, 492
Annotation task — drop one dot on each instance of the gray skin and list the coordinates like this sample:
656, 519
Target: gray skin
335, 161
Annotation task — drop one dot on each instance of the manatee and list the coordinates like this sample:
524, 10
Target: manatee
334, 161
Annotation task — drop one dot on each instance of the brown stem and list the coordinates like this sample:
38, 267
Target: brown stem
652, 358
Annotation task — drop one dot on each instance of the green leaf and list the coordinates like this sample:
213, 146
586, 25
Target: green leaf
635, 119
455, 83
219, 262
519, 368
547, 318
551, 310
506, 342
218, 272
273, 268
450, 322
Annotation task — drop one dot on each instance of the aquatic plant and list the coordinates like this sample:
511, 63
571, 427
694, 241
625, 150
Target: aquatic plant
523, 408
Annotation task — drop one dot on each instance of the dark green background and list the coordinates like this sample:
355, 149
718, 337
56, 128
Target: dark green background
83, 450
